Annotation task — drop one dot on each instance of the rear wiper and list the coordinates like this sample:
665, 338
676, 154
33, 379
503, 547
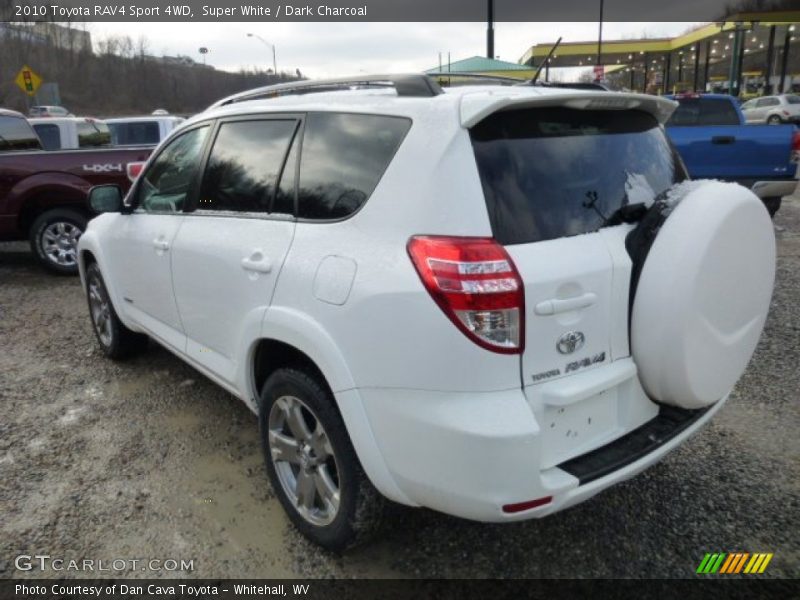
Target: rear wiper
627, 213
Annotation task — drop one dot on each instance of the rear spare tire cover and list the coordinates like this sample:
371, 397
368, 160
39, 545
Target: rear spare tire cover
703, 294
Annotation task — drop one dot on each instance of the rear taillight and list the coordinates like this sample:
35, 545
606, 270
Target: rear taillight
476, 284
134, 168
795, 145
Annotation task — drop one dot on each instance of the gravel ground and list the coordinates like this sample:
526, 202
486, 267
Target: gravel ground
148, 459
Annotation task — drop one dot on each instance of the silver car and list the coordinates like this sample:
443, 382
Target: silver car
784, 108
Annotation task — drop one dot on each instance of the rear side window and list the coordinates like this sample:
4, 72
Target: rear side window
343, 158
17, 134
698, 112
244, 165
135, 133
552, 172
92, 134
49, 134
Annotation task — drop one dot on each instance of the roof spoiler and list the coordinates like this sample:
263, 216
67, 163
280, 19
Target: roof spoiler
416, 85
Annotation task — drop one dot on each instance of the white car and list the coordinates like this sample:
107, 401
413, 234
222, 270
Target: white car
142, 131
49, 111
493, 302
775, 110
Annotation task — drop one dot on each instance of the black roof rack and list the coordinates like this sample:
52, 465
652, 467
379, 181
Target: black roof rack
410, 85
480, 77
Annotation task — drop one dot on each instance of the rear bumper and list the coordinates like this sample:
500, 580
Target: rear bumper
468, 455
774, 189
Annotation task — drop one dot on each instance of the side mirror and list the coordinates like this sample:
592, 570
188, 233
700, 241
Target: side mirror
105, 198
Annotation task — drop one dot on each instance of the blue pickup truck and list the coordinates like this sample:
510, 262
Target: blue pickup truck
711, 136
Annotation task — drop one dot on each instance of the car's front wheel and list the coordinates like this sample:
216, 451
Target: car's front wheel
311, 462
116, 340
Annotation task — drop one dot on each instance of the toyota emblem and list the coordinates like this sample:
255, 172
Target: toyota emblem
570, 342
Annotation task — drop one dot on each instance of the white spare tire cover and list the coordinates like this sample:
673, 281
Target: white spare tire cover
703, 294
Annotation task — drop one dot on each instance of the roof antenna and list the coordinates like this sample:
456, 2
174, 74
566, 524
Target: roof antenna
535, 77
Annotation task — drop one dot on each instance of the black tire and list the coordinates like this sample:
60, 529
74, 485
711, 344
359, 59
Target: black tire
56, 251
360, 505
772, 204
116, 341
774, 120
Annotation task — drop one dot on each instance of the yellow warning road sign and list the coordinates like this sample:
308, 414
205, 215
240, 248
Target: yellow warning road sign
27, 80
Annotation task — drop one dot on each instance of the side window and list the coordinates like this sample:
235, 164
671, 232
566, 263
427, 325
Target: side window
17, 134
244, 165
773, 102
134, 132
164, 185
49, 134
342, 160
93, 133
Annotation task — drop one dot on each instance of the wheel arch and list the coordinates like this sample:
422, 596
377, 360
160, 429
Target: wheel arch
291, 338
47, 198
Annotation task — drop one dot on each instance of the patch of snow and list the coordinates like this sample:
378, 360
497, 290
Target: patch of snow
678, 192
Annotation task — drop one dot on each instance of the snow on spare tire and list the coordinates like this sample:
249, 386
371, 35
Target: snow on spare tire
703, 293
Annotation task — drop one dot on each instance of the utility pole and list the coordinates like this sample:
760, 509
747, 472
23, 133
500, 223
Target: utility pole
600, 38
490, 30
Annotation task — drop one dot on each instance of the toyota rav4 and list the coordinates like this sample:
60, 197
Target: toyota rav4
492, 302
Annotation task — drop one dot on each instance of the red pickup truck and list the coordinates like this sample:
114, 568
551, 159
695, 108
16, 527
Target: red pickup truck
43, 193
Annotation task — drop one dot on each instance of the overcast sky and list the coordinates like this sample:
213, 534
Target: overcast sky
338, 49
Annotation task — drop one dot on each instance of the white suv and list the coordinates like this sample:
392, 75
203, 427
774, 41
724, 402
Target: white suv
492, 301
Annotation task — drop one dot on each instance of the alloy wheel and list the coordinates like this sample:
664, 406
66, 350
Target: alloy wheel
304, 460
60, 243
100, 308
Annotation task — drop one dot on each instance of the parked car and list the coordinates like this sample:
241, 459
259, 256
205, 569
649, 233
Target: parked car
492, 302
714, 141
64, 133
137, 131
49, 111
775, 110
43, 193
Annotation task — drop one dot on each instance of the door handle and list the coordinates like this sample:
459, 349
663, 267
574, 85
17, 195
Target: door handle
558, 305
161, 244
723, 139
257, 262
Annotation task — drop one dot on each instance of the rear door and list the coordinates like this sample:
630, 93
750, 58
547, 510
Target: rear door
231, 246
551, 178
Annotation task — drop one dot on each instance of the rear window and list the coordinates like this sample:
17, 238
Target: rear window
93, 133
17, 134
342, 160
552, 172
793, 99
134, 133
698, 112
49, 134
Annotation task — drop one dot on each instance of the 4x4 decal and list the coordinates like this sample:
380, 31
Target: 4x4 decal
104, 168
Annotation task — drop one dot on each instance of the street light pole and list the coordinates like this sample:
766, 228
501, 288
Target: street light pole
272, 46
